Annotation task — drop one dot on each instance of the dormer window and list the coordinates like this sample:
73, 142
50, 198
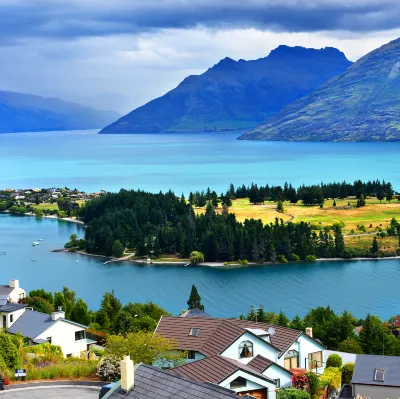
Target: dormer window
245, 350
194, 332
239, 382
379, 375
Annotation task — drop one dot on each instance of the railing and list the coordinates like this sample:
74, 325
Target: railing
314, 365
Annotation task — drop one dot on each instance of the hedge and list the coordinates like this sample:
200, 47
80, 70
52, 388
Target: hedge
347, 373
332, 378
291, 393
334, 360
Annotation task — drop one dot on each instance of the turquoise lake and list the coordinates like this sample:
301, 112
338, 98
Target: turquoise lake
186, 162
359, 286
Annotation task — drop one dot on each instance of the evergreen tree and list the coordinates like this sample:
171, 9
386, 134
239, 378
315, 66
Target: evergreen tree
297, 323
80, 313
261, 317
339, 240
194, 301
283, 320
117, 249
375, 247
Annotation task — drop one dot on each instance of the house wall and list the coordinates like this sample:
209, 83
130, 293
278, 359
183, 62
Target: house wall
198, 356
346, 357
260, 347
16, 294
375, 392
275, 373
63, 334
17, 314
253, 383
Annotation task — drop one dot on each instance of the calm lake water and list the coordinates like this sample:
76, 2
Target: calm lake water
184, 162
361, 287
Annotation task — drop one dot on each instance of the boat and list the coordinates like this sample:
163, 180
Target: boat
33, 260
77, 261
40, 239
35, 243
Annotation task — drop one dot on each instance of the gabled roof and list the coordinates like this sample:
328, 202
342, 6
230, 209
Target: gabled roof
215, 369
195, 313
261, 363
217, 334
154, 383
32, 323
11, 307
6, 290
365, 365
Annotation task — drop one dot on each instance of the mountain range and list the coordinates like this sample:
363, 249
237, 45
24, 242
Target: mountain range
236, 94
29, 113
361, 104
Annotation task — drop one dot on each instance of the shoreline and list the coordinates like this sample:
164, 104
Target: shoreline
111, 259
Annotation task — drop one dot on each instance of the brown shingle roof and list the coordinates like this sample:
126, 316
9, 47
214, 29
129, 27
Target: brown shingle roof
216, 334
260, 364
215, 369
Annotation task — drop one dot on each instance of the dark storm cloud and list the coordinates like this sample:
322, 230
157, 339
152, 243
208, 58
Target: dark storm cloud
21, 19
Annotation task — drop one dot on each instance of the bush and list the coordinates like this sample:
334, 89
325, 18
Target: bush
295, 258
313, 384
3, 366
109, 368
299, 380
9, 351
347, 373
334, 360
282, 259
117, 249
311, 258
332, 378
291, 393
45, 352
196, 257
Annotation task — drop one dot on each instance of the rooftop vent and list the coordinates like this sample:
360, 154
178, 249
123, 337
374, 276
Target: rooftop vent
194, 332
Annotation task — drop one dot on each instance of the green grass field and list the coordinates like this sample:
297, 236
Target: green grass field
45, 206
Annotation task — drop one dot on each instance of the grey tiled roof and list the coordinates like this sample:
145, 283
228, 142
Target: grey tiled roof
31, 324
154, 383
6, 290
11, 307
364, 370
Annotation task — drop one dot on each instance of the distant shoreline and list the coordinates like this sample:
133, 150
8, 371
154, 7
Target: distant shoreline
111, 259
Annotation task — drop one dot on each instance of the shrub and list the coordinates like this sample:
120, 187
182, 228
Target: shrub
347, 373
332, 378
299, 380
3, 366
334, 360
282, 259
311, 258
243, 262
109, 368
290, 393
9, 351
196, 257
313, 384
45, 352
295, 258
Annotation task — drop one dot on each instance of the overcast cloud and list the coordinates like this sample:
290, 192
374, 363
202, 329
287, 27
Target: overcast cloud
142, 48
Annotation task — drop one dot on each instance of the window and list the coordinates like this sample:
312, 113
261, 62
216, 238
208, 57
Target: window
292, 359
191, 355
315, 360
194, 332
49, 339
379, 375
239, 382
278, 382
11, 318
245, 349
80, 335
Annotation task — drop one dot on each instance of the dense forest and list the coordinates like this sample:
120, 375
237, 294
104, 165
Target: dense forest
154, 224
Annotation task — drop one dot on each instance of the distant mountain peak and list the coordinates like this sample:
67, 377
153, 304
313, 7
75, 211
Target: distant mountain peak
284, 50
234, 94
361, 104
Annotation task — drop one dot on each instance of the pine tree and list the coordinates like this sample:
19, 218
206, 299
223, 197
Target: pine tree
339, 240
194, 301
261, 314
283, 320
375, 247
297, 324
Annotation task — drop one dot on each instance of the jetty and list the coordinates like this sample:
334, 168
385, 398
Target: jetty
3, 253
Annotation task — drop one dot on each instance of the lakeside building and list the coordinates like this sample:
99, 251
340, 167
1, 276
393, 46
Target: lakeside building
38, 327
244, 356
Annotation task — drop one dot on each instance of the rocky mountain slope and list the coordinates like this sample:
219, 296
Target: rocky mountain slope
361, 104
236, 94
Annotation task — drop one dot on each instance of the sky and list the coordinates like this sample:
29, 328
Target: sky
120, 54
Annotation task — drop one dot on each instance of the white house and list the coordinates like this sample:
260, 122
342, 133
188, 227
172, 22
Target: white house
39, 328
11, 293
262, 354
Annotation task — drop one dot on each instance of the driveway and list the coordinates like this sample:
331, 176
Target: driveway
68, 392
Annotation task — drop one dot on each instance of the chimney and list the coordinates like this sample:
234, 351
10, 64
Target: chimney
127, 374
309, 331
58, 315
14, 283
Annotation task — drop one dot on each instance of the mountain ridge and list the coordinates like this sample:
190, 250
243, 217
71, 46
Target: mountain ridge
20, 112
235, 94
361, 104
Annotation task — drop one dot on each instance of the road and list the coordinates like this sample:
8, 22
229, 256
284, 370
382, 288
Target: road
53, 392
